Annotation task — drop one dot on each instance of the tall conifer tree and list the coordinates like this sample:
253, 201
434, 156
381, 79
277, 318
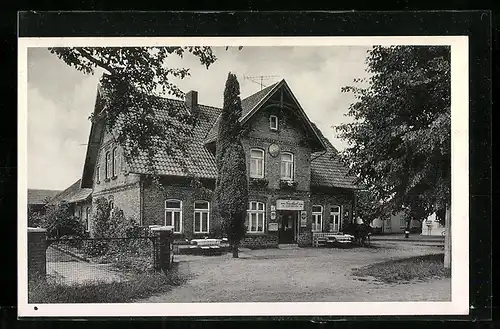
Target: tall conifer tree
231, 192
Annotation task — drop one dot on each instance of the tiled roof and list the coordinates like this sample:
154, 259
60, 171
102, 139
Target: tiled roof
74, 193
200, 163
40, 196
327, 169
247, 105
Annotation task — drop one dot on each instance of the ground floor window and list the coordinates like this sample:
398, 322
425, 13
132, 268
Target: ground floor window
256, 214
335, 219
317, 218
201, 217
173, 214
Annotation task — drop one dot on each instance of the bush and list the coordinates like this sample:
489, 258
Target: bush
110, 223
34, 218
59, 221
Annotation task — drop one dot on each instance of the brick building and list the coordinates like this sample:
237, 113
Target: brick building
297, 184
79, 200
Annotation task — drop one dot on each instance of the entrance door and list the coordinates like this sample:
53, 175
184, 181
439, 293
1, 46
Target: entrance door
287, 230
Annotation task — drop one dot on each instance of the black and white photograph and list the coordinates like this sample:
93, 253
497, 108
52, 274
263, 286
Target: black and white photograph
243, 176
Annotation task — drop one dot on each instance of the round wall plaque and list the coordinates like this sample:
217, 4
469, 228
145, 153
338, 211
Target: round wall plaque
274, 150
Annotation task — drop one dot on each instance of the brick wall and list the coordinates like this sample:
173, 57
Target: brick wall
37, 257
305, 239
154, 208
333, 198
290, 138
126, 198
122, 178
260, 241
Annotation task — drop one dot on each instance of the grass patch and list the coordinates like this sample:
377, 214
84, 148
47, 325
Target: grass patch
139, 286
406, 269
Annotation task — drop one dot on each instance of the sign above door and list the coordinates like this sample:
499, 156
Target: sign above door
289, 205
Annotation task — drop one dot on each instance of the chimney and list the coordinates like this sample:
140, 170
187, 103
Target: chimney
192, 101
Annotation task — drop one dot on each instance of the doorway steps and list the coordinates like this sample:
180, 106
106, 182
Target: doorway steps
288, 246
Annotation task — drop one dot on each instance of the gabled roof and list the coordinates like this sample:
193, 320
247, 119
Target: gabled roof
94, 142
200, 162
253, 103
40, 196
325, 171
247, 105
72, 194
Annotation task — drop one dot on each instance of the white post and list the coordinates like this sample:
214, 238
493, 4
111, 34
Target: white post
447, 238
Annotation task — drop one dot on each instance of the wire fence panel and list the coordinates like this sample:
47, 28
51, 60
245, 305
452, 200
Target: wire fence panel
79, 260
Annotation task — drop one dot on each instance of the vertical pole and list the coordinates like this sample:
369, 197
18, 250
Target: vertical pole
447, 238
37, 258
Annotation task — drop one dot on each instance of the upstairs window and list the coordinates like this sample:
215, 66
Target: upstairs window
317, 218
173, 214
108, 165
287, 166
273, 122
335, 219
256, 214
201, 217
256, 163
98, 174
115, 162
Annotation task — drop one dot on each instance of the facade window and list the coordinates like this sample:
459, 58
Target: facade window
111, 207
256, 163
87, 219
201, 217
317, 218
273, 122
287, 166
402, 222
115, 162
173, 214
75, 213
335, 219
256, 214
108, 165
98, 174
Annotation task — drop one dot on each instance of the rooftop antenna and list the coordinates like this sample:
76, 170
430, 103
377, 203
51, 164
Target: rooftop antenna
259, 79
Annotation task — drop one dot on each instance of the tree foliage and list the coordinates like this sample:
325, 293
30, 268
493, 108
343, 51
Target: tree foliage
133, 80
111, 223
59, 220
231, 192
400, 140
369, 207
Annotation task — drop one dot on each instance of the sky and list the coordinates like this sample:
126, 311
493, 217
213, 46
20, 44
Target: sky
61, 99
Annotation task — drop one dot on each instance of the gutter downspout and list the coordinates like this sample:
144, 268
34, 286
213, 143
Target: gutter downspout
323, 153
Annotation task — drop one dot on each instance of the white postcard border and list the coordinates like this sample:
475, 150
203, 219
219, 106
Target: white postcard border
459, 304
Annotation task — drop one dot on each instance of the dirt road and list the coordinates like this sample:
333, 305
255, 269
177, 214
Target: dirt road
299, 275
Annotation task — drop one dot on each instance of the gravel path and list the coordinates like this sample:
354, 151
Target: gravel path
66, 269
299, 275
